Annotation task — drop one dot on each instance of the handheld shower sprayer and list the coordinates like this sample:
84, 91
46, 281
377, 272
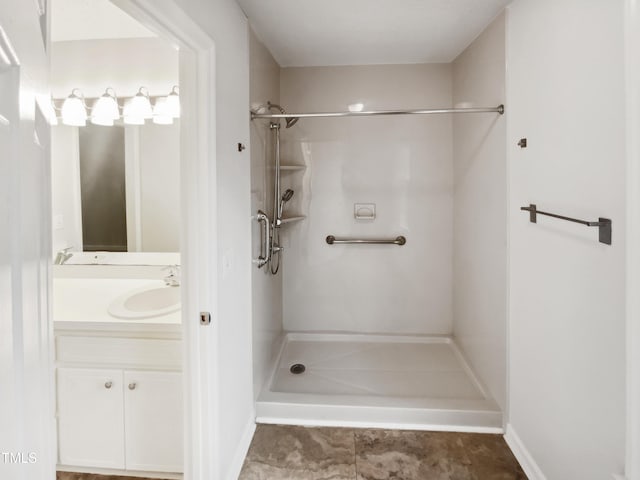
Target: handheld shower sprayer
286, 196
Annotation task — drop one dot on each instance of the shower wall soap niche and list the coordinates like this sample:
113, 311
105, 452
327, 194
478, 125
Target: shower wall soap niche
364, 211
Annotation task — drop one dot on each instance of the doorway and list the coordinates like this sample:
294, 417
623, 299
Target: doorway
197, 209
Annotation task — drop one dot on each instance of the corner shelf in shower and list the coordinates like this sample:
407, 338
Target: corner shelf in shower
293, 219
292, 168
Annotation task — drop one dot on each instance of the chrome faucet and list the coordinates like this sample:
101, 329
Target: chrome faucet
62, 256
173, 278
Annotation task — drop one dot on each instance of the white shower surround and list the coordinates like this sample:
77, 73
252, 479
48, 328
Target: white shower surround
405, 166
402, 164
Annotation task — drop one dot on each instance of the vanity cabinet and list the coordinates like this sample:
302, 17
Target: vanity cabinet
90, 417
119, 403
153, 421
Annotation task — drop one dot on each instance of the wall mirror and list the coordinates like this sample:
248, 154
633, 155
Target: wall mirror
115, 189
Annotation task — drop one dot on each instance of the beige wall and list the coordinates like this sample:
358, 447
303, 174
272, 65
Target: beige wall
123, 64
266, 288
565, 93
480, 196
231, 373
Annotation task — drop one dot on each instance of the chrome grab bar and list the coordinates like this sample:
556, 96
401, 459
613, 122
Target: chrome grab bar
400, 240
265, 240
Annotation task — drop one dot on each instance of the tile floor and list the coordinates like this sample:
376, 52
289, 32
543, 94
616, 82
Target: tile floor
299, 453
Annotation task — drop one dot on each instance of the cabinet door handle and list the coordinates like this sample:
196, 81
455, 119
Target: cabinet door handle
108, 384
132, 386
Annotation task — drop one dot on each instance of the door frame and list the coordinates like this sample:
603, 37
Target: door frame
198, 237
632, 62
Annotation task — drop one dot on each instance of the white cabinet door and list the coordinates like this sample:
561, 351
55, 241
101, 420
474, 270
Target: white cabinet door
153, 419
90, 417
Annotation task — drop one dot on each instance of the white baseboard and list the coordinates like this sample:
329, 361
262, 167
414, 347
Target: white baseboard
241, 451
528, 464
616, 476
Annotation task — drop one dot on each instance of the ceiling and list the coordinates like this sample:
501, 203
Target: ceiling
91, 20
366, 32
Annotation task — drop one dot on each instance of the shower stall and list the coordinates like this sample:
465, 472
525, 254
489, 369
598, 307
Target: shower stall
370, 309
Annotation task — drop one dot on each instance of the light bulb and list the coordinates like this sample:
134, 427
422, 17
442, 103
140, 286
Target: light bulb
137, 108
105, 109
161, 112
74, 112
173, 102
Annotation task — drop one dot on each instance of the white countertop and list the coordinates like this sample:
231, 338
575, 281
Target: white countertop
87, 300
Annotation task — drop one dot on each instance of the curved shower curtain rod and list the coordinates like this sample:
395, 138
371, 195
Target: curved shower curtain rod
426, 111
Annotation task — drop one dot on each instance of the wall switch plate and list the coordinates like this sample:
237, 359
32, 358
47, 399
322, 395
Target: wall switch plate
58, 222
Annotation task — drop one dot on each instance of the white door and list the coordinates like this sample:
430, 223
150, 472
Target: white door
26, 401
153, 421
90, 417
10, 392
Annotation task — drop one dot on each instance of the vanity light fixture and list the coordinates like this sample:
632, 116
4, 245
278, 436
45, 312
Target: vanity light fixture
161, 112
138, 108
74, 111
105, 109
173, 102
127, 117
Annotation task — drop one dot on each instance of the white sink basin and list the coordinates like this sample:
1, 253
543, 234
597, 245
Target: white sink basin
146, 302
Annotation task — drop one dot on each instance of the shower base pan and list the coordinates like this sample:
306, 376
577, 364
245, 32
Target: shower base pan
376, 381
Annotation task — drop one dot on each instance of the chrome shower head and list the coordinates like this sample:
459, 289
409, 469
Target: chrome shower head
291, 121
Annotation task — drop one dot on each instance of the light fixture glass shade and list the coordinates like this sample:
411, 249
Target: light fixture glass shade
73, 110
137, 108
161, 112
105, 109
173, 102
130, 118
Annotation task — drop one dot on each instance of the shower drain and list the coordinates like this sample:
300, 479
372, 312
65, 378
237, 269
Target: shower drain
297, 368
